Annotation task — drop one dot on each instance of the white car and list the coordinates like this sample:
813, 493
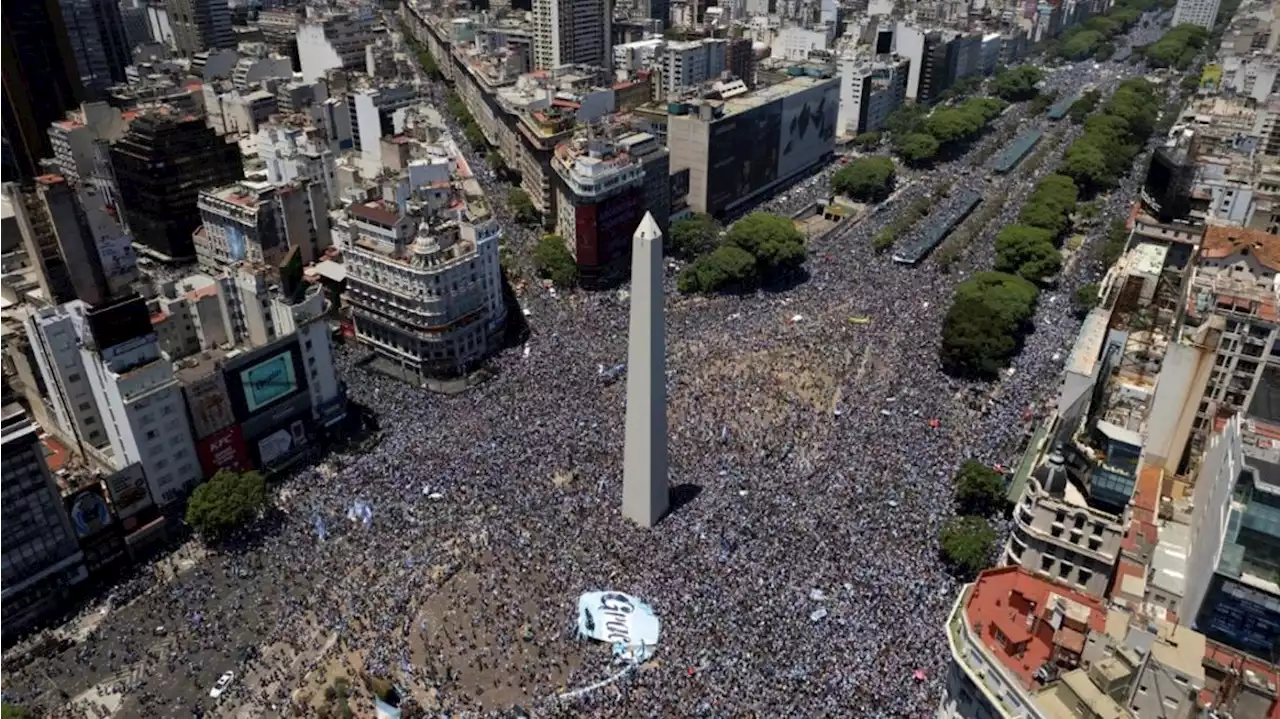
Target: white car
224, 681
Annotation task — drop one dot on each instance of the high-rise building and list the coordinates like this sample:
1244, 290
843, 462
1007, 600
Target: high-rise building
742, 61
161, 164
200, 25
605, 186
1196, 12
572, 32
42, 558
97, 34
682, 65
292, 152
137, 27
870, 90
40, 82
77, 245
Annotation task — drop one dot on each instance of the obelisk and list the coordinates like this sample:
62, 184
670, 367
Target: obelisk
644, 473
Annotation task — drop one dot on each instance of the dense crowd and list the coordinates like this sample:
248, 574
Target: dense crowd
798, 573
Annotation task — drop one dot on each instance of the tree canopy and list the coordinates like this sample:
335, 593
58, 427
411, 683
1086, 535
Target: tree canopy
725, 268
1028, 252
1086, 298
1018, 84
227, 502
1178, 47
980, 489
1050, 205
967, 543
866, 178
694, 236
989, 314
1113, 137
774, 242
553, 261
522, 207
916, 148
867, 140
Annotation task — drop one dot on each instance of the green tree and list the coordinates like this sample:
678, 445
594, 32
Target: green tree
553, 261
1086, 164
1028, 252
15, 711
1105, 25
226, 503
1190, 83
1105, 51
1086, 298
522, 207
773, 240
694, 236
905, 120
967, 543
989, 314
1018, 84
866, 178
1081, 45
867, 140
1113, 246
724, 268
916, 148
980, 489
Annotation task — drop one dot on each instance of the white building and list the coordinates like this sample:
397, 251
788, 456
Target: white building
377, 113
331, 43
427, 295
260, 222
795, 42
870, 90
637, 55
685, 64
298, 153
143, 412
1196, 12
572, 32
55, 343
74, 139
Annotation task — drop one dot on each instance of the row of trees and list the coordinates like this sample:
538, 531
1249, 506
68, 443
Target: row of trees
918, 135
1094, 37
1178, 47
1029, 247
869, 179
758, 248
968, 540
1084, 106
990, 314
1113, 137
522, 207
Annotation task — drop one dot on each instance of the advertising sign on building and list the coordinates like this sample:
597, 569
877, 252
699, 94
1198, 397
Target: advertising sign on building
128, 491
283, 443
89, 513
210, 404
224, 449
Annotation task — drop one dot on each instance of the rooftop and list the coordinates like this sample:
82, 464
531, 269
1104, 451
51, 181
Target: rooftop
377, 211
1223, 241
1024, 621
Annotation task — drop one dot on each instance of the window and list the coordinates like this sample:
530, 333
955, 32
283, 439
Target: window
1060, 517
151, 434
84, 406
90, 421
73, 377
1046, 563
1084, 575
1064, 570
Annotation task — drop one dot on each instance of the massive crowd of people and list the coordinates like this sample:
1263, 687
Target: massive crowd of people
797, 574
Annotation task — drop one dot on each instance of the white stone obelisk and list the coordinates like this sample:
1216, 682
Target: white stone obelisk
644, 474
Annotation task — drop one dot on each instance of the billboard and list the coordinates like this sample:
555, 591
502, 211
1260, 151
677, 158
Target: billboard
128, 491
808, 128
742, 155
209, 403
89, 513
283, 443
259, 381
224, 450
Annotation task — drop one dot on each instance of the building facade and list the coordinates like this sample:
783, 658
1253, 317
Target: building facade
570, 32
161, 165
42, 559
200, 25
41, 82
96, 31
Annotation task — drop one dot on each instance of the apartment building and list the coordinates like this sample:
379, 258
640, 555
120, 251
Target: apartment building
682, 65
332, 41
1196, 12
571, 32
260, 222
870, 90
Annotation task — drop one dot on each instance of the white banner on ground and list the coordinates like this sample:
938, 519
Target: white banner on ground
621, 620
